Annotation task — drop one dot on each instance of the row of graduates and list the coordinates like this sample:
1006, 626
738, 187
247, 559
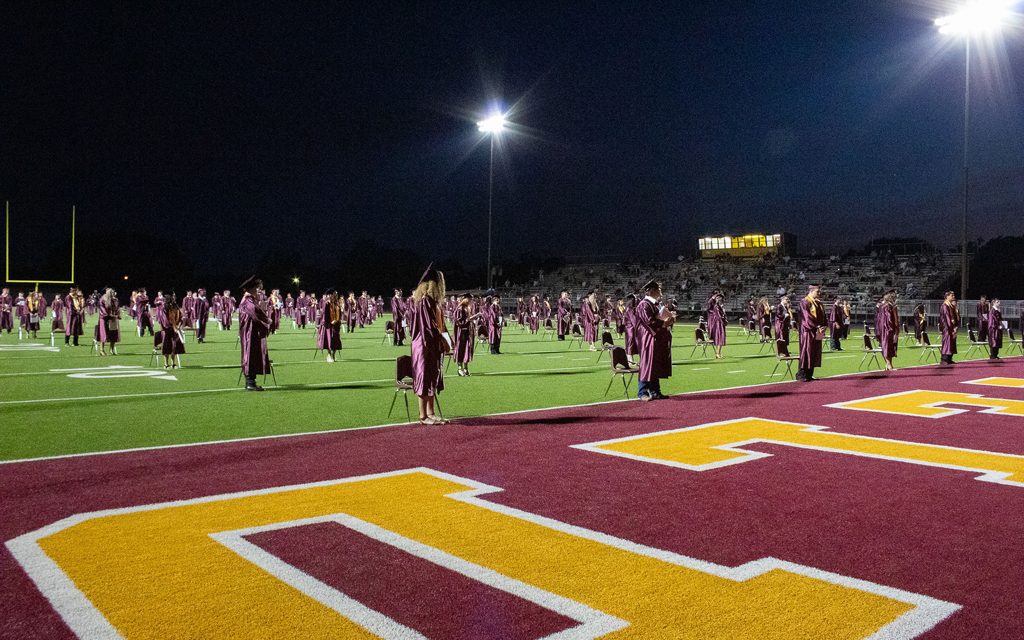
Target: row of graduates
357, 311
66, 312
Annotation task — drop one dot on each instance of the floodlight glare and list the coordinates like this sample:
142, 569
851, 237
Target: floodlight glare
976, 17
493, 124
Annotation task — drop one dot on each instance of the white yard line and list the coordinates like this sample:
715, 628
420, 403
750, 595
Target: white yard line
740, 371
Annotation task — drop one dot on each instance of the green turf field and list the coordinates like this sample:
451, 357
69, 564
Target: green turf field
48, 408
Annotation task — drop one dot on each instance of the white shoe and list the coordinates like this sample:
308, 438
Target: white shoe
330, 359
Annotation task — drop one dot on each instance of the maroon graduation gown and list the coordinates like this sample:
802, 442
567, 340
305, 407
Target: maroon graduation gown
655, 342
253, 329
427, 372
812, 316
949, 324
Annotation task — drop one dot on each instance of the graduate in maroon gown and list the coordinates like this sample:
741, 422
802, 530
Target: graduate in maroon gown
564, 315
32, 317
783, 318
109, 323
812, 331
995, 328
398, 317
835, 324
351, 312
173, 341
201, 311
589, 317
74, 305
6, 311
57, 313
227, 309
716, 321
535, 314
302, 310
920, 322
328, 335
464, 343
253, 329
949, 325
275, 309
632, 345
429, 342
654, 336
888, 327
495, 325
143, 319
763, 314
982, 318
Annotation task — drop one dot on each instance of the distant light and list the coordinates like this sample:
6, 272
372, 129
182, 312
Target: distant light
295, 280
978, 16
126, 277
493, 124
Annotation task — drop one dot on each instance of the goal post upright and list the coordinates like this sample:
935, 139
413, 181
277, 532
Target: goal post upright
7, 251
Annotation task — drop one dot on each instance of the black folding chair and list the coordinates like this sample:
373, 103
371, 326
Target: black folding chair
389, 332
782, 356
621, 368
1014, 342
870, 351
927, 348
403, 370
577, 336
273, 375
158, 347
700, 341
607, 344
975, 344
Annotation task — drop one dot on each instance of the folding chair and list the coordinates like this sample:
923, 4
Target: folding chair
1014, 342
750, 330
870, 351
621, 368
927, 348
577, 336
976, 345
700, 341
158, 343
389, 332
273, 375
909, 339
607, 344
549, 330
782, 357
766, 338
403, 370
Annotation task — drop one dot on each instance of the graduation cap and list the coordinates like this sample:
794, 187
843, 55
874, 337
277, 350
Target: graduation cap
429, 274
252, 282
651, 284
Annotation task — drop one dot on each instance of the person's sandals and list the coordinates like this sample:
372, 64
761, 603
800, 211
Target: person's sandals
432, 420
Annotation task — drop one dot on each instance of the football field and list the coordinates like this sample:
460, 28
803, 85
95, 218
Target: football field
172, 504
65, 400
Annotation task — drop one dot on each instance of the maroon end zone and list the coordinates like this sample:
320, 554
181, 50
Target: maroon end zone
932, 531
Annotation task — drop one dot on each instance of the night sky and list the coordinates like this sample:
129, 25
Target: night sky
315, 126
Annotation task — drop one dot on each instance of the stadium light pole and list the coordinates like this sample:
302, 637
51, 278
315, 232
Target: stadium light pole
976, 17
492, 126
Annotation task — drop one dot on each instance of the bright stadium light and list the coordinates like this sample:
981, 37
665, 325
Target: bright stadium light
979, 16
494, 124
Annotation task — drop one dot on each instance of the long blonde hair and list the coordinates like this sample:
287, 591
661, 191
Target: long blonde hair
432, 288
